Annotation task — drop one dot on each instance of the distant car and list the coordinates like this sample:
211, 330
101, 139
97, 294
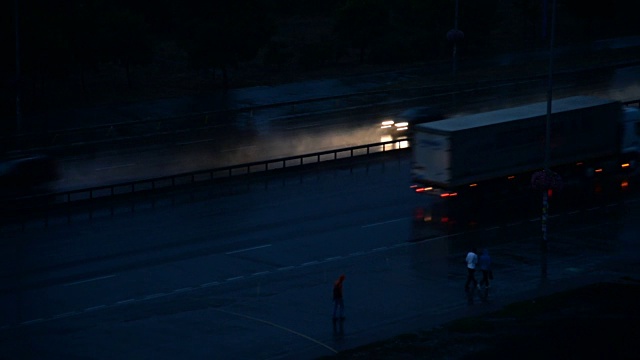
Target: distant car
27, 174
401, 124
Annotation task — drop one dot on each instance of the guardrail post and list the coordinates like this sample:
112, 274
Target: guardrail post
68, 208
111, 204
90, 204
46, 215
153, 194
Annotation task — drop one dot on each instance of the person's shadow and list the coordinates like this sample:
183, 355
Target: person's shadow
471, 293
338, 330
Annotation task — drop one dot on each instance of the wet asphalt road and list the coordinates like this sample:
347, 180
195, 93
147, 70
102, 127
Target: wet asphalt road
245, 272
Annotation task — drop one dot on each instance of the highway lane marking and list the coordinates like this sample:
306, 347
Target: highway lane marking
195, 142
185, 289
154, 296
279, 327
239, 148
67, 314
214, 283
115, 167
89, 280
382, 223
248, 249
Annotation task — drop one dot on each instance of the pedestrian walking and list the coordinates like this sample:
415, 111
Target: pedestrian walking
338, 299
484, 263
472, 261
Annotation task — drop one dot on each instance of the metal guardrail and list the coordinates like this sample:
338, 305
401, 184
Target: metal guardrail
228, 171
18, 210
632, 102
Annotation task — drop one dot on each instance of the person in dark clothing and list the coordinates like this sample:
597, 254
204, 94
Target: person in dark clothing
484, 263
338, 300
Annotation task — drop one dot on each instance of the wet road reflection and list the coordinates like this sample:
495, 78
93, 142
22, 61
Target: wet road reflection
258, 136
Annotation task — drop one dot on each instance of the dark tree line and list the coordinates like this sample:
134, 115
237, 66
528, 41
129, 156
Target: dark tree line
61, 39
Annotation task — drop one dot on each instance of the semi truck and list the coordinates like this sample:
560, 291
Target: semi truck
594, 142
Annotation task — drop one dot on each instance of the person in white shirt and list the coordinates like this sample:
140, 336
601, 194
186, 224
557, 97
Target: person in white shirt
472, 261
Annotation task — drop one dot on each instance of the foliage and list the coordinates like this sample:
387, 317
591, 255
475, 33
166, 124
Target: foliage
63, 40
221, 34
362, 22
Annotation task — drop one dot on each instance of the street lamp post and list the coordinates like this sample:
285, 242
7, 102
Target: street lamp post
17, 30
454, 35
547, 152
546, 180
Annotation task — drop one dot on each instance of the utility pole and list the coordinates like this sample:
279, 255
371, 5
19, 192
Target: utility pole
18, 81
454, 35
455, 41
547, 153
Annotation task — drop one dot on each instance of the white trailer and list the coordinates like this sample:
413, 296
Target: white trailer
453, 154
